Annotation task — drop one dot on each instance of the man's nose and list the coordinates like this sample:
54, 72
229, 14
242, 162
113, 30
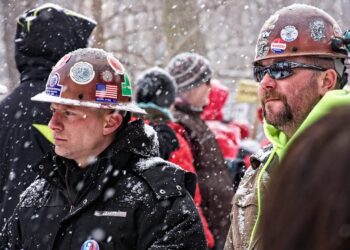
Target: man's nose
55, 122
268, 82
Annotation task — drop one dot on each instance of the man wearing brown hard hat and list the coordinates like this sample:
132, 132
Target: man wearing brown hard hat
299, 64
103, 186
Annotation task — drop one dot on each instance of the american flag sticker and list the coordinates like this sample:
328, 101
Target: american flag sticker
106, 93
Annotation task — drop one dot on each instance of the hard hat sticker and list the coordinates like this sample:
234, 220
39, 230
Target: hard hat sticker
53, 86
115, 64
278, 46
289, 33
318, 30
336, 30
264, 34
107, 76
126, 86
82, 73
106, 93
61, 62
90, 245
270, 23
262, 48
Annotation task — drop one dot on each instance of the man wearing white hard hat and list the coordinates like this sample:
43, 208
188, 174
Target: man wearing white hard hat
103, 186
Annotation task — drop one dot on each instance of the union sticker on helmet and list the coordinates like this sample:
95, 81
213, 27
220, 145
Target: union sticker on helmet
82, 73
53, 86
115, 64
337, 30
262, 48
270, 23
106, 93
107, 76
318, 30
126, 86
289, 33
264, 34
61, 62
278, 46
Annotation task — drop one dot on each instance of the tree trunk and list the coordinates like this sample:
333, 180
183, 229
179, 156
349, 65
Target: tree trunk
182, 27
9, 11
99, 41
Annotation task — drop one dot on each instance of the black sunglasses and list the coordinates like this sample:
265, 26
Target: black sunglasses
280, 70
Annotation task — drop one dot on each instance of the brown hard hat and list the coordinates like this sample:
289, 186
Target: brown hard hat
299, 30
92, 78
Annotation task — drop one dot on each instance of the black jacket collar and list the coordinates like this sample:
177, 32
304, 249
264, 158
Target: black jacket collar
136, 138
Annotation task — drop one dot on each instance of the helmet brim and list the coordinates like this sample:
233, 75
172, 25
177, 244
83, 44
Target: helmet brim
131, 107
321, 55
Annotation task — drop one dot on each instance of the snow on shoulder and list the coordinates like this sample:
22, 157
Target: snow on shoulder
33, 194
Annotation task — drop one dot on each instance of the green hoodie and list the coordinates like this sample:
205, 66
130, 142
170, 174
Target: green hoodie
330, 100
280, 142
45, 131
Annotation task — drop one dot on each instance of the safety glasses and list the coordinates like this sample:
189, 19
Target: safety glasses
280, 70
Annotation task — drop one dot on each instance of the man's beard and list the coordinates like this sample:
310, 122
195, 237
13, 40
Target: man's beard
284, 116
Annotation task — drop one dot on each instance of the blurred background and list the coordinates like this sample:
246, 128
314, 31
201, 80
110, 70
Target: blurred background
144, 33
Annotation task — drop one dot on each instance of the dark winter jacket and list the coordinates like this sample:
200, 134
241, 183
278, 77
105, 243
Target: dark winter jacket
173, 147
214, 180
51, 35
127, 199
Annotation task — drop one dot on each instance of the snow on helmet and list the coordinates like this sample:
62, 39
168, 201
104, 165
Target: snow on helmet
92, 78
300, 30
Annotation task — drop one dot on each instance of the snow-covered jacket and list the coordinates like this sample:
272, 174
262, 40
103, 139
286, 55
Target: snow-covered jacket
174, 148
246, 204
39, 45
214, 179
127, 199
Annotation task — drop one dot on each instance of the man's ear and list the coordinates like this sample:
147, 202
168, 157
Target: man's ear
328, 81
112, 122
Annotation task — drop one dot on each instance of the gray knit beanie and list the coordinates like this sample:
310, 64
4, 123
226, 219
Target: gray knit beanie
189, 70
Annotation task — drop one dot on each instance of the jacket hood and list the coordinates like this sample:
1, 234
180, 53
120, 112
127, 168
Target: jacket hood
330, 100
138, 138
44, 35
217, 98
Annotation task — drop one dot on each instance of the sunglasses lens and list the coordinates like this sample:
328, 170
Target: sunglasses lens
259, 73
280, 70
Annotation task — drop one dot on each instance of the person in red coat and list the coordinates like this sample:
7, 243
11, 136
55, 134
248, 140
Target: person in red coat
192, 73
155, 92
228, 136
